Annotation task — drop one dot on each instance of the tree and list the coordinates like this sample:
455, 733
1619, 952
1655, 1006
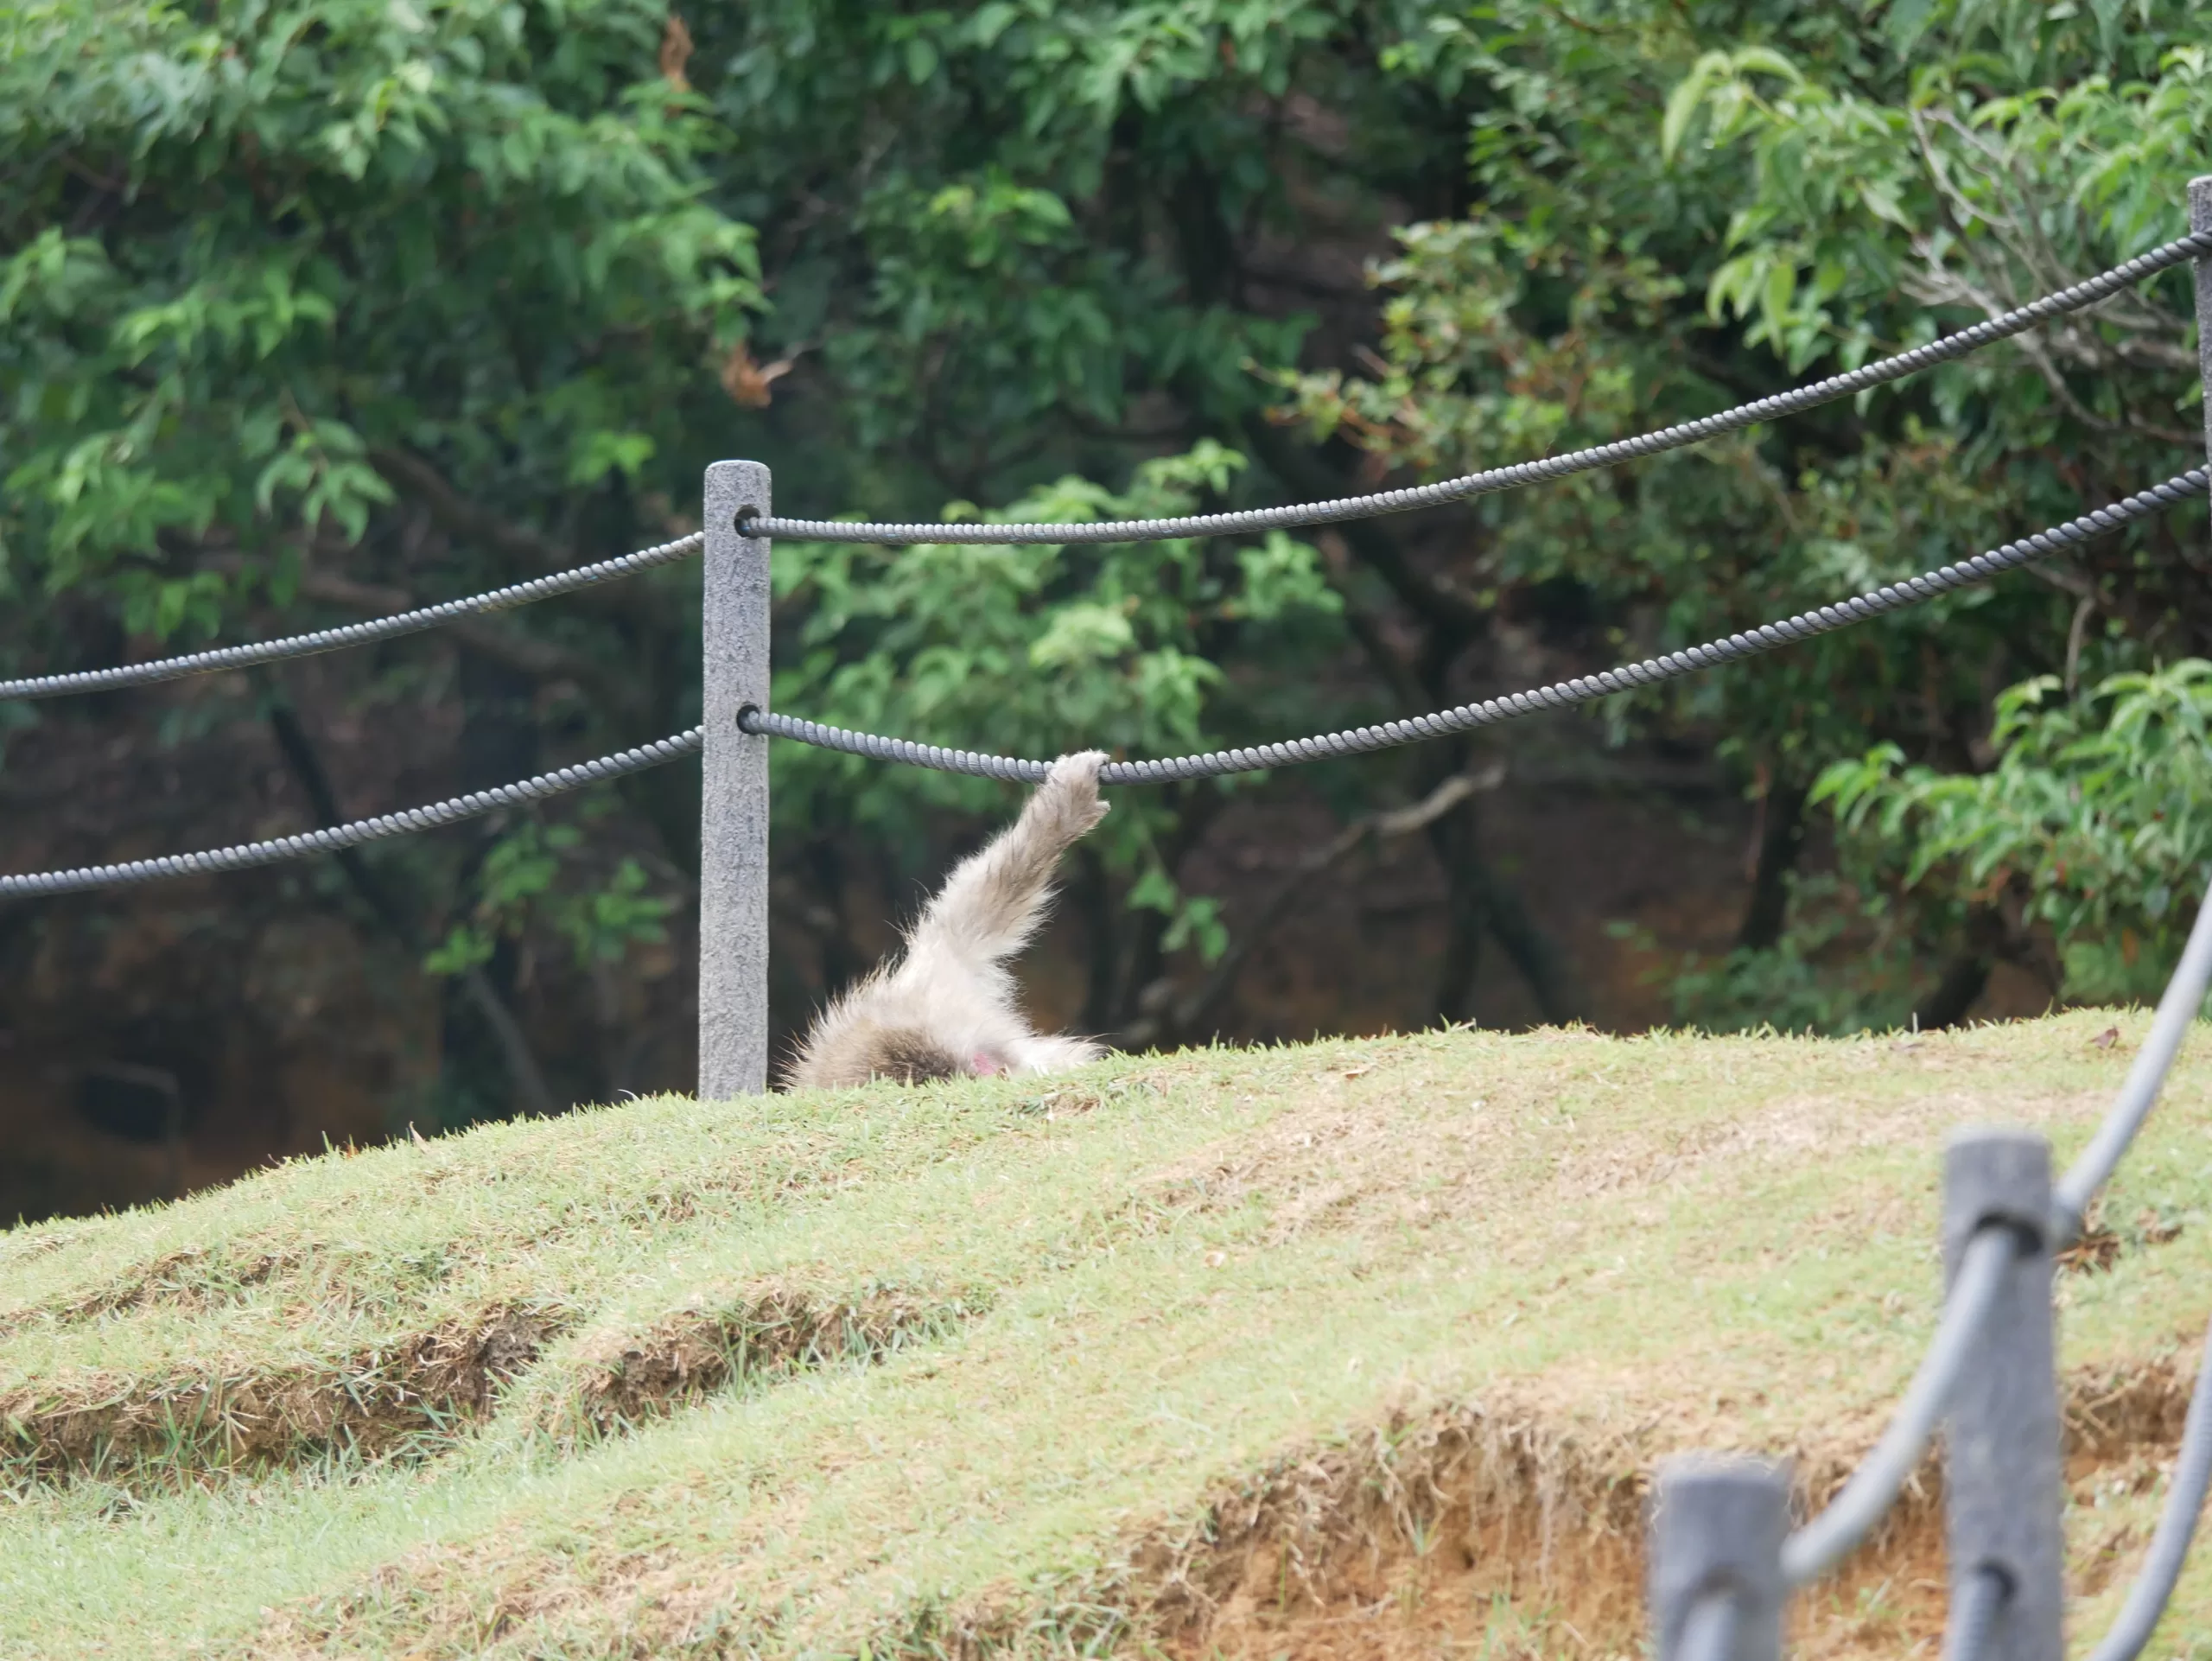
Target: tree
1828, 192
2093, 825
344, 309
317, 313
1029, 241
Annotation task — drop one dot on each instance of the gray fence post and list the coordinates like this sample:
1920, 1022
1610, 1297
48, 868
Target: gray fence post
1715, 1559
734, 796
2003, 1477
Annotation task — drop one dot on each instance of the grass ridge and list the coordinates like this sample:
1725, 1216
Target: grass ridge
1353, 1348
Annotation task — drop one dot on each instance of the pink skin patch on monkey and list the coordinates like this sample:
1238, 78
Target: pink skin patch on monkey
984, 1064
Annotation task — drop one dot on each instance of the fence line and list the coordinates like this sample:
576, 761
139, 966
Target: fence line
1881, 1476
2102, 286
1560, 695
2177, 1011
2004, 1488
332, 639
1874, 1486
334, 837
2169, 1540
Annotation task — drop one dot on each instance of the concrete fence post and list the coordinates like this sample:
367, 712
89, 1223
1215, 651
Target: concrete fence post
2003, 1476
734, 795
1715, 1559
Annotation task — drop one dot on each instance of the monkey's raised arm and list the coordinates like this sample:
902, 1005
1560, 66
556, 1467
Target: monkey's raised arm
994, 900
949, 1006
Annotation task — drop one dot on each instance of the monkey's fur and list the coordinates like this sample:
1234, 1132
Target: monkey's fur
947, 1005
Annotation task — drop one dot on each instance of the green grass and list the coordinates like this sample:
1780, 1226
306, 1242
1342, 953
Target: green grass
1199, 1351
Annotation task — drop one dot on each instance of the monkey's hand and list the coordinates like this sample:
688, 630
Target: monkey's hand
1067, 803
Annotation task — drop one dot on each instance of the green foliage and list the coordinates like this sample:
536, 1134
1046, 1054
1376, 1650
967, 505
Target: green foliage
1025, 649
1834, 183
1843, 966
434, 294
523, 882
279, 286
418, 295
248, 248
1557, 322
2098, 812
986, 216
2024, 150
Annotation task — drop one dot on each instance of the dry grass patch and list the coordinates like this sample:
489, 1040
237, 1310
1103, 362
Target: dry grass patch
370, 1304
1437, 1530
387, 1230
616, 1377
1418, 1533
238, 1414
417, 1396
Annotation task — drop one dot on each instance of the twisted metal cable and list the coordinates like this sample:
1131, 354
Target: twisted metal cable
1813, 1550
2154, 1584
1559, 695
330, 640
1824, 1542
2002, 327
2177, 1008
248, 855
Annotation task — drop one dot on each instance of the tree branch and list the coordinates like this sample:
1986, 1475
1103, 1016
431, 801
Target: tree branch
455, 515
1439, 602
511, 648
1382, 826
306, 768
1781, 839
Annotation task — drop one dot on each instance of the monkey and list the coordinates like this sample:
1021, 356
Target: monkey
946, 1007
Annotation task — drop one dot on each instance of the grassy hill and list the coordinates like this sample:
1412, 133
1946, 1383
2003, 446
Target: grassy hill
1356, 1348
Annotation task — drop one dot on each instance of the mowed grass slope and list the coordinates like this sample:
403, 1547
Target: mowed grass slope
1352, 1348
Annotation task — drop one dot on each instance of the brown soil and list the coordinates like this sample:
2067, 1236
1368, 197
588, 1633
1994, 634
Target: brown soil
415, 1394
159, 1431
770, 1332
1478, 1532
1454, 1530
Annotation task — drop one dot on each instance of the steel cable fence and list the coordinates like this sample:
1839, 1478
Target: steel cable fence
1950, 347
1560, 695
247, 855
2102, 286
334, 640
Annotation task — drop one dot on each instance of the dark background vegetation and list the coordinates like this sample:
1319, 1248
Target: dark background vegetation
312, 314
